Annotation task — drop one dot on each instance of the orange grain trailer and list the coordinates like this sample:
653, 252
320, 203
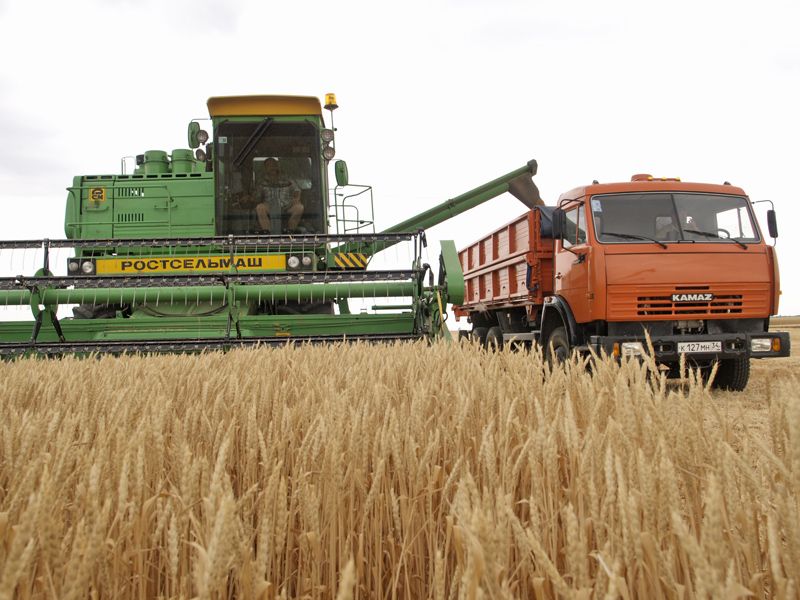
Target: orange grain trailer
683, 263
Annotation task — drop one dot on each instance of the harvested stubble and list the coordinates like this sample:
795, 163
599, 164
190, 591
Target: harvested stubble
401, 471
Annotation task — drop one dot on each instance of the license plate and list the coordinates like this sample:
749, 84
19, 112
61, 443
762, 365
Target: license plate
694, 347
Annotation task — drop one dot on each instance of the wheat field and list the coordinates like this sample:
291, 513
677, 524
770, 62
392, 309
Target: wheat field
407, 471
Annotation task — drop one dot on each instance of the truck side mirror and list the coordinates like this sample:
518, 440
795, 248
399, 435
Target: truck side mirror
559, 218
772, 223
340, 168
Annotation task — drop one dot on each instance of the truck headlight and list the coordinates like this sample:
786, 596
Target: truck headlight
632, 349
765, 344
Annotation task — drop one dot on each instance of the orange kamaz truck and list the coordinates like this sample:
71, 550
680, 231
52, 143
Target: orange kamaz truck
683, 263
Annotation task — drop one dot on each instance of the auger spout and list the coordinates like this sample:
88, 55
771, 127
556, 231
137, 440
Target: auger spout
518, 182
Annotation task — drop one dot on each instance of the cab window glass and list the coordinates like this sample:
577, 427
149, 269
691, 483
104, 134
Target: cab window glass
735, 223
576, 227
268, 166
711, 217
581, 226
634, 218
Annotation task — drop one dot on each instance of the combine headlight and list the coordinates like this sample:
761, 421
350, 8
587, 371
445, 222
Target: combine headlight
293, 262
307, 260
632, 349
328, 153
87, 267
202, 136
200, 154
761, 344
326, 135
73, 266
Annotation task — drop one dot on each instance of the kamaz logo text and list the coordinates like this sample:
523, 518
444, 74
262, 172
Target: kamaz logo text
692, 297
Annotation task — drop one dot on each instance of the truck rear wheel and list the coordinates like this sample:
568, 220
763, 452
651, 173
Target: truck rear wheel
557, 349
479, 335
494, 339
732, 374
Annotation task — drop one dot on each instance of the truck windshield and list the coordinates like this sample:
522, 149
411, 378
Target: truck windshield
672, 217
268, 178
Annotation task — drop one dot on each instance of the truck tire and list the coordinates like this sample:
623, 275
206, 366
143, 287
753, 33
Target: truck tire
559, 342
732, 374
478, 335
494, 339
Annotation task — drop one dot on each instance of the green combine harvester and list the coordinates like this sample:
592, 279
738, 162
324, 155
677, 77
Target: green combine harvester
239, 240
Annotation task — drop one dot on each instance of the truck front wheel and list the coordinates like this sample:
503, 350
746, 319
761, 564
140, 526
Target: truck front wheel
732, 374
557, 349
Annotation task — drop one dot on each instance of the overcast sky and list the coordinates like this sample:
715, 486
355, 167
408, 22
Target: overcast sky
435, 97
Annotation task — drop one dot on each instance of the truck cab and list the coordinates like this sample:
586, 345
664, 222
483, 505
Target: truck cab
650, 265
683, 263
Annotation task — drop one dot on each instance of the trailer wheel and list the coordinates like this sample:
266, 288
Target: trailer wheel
557, 349
494, 339
478, 335
732, 374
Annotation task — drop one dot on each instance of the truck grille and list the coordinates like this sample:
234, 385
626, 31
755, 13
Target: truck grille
664, 305
630, 302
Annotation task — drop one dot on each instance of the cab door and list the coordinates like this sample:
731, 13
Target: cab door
573, 256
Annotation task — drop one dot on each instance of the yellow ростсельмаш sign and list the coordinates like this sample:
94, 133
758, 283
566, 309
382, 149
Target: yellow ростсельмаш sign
183, 264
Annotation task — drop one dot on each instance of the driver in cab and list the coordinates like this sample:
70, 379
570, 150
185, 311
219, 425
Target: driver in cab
672, 230
278, 195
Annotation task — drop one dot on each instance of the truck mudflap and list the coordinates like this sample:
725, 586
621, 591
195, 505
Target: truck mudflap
667, 349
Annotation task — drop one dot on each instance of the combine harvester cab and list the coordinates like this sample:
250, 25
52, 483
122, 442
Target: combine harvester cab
239, 240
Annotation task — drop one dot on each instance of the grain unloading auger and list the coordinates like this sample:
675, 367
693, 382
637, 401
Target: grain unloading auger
240, 243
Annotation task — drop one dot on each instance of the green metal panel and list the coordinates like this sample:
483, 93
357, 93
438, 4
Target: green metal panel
135, 206
72, 214
213, 327
171, 205
454, 281
242, 293
96, 210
